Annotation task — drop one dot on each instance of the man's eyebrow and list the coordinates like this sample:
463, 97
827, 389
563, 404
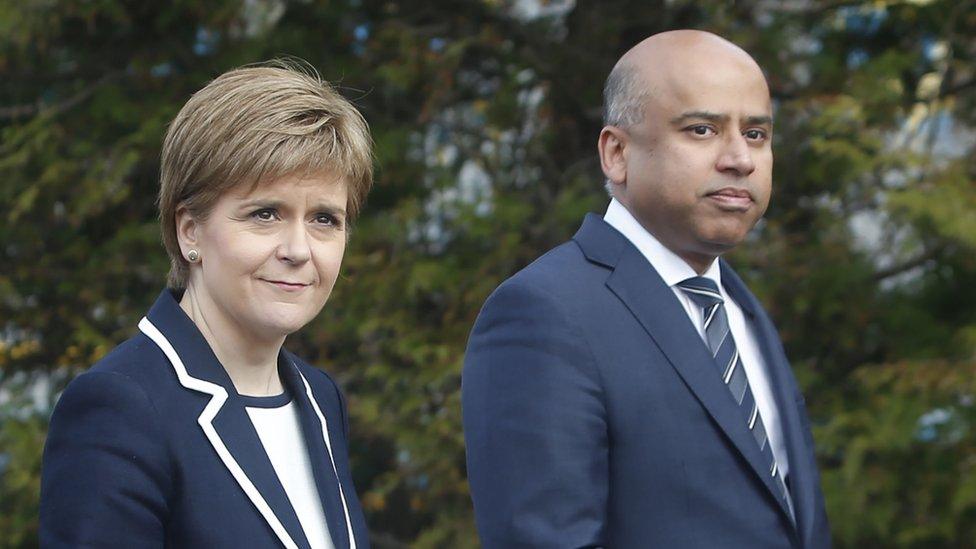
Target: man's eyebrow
762, 120
699, 115
759, 120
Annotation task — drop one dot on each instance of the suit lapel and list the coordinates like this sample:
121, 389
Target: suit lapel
224, 420
656, 308
320, 456
802, 481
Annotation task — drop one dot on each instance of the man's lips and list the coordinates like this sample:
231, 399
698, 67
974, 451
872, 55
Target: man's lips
734, 198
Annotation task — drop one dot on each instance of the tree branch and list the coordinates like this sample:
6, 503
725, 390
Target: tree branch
910, 264
14, 112
958, 87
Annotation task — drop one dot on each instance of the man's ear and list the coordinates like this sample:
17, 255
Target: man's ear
187, 227
611, 145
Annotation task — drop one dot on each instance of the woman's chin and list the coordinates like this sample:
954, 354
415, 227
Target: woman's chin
274, 327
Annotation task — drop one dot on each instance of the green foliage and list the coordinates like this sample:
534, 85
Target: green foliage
22, 431
22, 440
901, 483
485, 121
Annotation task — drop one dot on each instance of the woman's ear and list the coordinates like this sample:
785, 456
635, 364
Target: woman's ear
186, 231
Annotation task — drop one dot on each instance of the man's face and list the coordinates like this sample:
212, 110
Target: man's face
699, 166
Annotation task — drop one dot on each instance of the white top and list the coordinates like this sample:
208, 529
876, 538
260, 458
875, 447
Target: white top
673, 270
280, 432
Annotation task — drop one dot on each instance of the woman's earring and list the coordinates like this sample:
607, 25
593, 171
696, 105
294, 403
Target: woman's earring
192, 255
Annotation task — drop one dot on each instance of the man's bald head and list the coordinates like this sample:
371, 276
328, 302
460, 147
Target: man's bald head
647, 67
687, 148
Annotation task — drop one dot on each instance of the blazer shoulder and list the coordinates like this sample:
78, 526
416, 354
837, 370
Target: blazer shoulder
133, 354
139, 360
107, 467
323, 386
126, 381
315, 376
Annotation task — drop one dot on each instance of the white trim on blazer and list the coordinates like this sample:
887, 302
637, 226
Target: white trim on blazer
205, 420
328, 446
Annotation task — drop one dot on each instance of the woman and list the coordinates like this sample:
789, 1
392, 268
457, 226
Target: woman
201, 431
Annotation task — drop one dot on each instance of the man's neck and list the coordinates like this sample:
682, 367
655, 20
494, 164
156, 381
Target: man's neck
672, 266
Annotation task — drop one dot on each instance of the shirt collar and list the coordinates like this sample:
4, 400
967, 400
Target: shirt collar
668, 264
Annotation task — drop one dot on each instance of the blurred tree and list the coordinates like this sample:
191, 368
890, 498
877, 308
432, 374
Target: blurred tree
485, 115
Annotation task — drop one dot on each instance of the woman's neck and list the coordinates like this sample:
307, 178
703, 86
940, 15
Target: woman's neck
250, 360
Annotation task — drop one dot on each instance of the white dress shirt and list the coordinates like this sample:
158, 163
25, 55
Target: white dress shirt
673, 270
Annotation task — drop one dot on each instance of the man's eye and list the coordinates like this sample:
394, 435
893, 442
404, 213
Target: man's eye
756, 135
701, 130
264, 214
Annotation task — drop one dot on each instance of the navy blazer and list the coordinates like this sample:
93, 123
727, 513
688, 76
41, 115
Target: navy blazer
594, 415
153, 447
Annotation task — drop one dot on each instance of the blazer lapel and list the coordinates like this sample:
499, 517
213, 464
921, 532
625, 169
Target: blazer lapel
320, 454
224, 420
802, 479
237, 432
656, 308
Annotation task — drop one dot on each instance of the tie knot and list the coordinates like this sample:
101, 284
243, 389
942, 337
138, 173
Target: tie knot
703, 291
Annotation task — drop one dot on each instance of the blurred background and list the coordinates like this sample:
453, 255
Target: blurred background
485, 115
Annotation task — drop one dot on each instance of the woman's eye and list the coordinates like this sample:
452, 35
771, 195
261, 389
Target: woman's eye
264, 214
326, 219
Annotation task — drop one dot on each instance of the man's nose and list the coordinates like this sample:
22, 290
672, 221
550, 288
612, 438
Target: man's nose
736, 157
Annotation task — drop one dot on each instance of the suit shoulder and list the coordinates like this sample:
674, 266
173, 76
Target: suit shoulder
558, 277
564, 256
544, 295
557, 271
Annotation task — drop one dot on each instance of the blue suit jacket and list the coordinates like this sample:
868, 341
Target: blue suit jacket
594, 415
152, 447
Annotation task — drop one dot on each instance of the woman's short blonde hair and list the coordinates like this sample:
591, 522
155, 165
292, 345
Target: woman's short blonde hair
254, 125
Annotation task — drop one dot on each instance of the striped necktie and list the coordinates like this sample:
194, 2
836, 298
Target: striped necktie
704, 293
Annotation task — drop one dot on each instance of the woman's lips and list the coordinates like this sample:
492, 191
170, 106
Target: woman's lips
287, 286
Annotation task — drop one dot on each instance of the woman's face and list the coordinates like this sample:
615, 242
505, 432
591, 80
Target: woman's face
269, 257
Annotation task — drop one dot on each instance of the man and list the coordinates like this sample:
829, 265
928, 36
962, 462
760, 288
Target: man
626, 390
